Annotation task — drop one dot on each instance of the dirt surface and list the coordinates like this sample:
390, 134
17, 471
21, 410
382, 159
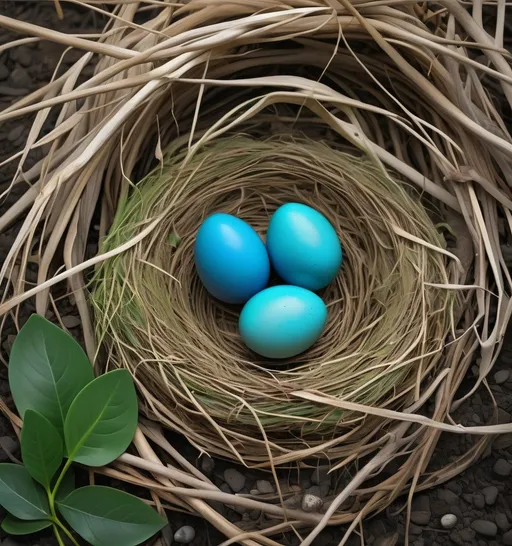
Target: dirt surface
480, 499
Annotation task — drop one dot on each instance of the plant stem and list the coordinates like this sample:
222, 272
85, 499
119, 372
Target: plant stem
51, 495
60, 525
57, 534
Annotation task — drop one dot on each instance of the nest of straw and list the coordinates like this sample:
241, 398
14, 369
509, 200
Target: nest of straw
389, 310
418, 93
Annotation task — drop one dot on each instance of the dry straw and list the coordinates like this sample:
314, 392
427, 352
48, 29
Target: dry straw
417, 90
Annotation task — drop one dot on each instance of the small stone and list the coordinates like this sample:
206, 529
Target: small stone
71, 321
4, 72
265, 487
14, 134
311, 503
420, 517
449, 497
320, 475
24, 57
255, 515
10, 542
254, 492
20, 78
207, 464
8, 445
478, 501
185, 534
507, 539
167, 535
448, 521
466, 535
485, 528
294, 501
8, 343
415, 530
305, 483
502, 521
490, 494
502, 468
501, 377
421, 503
503, 441
224, 487
503, 417
234, 479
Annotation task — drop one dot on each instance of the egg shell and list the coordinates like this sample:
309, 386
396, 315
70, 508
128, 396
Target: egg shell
231, 259
303, 246
282, 321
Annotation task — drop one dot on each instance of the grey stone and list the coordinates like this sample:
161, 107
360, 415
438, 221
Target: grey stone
305, 483
485, 528
14, 134
4, 72
167, 535
501, 377
185, 534
478, 501
10, 542
24, 57
320, 475
448, 521
449, 497
420, 517
502, 468
224, 487
255, 515
265, 487
71, 321
311, 503
490, 494
414, 529
507, 539
421, 503
20, 77
503, 441
207, 464
503, 417
502, 521
8, 445
234, 479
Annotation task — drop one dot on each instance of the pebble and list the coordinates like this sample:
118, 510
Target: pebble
502, 468
167, 535
415, 529
14, 134
311, 503
485, 528
8, 445
320, 475
4, 72
490, 494
420, 517
502, 521
20, 78
478, 501
71, 321
265, 487
449, 497
254, 492
503, 441
507, 539
501, 377
10, 542
24, 57
234, 479
185, 534
207, 464
448, 521
255, 515
224, 487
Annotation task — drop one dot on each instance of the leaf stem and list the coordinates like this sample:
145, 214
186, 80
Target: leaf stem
57, 534
64, 529
51, 496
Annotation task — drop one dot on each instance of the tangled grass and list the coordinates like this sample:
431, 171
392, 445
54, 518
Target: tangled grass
421, 90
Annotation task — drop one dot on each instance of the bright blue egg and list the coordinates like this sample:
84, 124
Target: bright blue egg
282, 321
303, 246
231, 259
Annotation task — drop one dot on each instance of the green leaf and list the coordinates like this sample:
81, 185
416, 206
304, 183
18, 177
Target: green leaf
41, 447
102, 419
47, 369
103, 516
15, 526
20, 494
67, 485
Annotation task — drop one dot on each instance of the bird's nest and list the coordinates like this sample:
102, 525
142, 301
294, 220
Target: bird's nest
390, 310
388, 117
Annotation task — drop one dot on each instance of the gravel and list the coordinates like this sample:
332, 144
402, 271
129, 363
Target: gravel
8, 445
502, 468
502, 521
507, 539
265, 487
420, 517
490, 494
4, 72
185, 534
485, 528
320, 475
234, 479
20, 78
448, 521
71, 321
311, 503
478, 501
207, 464
14, 134
501, 377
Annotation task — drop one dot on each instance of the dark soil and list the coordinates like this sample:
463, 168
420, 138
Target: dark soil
480, 498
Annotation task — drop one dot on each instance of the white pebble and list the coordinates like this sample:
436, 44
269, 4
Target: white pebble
185, 534
311, 503
448, 521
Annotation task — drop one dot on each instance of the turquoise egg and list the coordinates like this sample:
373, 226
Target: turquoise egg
282, 321
231, 259
303, 246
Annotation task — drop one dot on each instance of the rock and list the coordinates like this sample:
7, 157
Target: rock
224, 487
478, 501
503, 417
485, 528
502, 468
320, 475
185, 534
421, 503
305, 483
207, 464
255, 515
490, 494
311, 503
501, 377
415, 529
507, 539
14, 134
466, 535
10, 542
448, 521
71, 321
24, 56
294, 501
503, 441
234, 479
454, 486
4, 72
8, 343
8, 445
20, 78
449, 497
167, 535
265, 487
502, 521
420, 517
254, 492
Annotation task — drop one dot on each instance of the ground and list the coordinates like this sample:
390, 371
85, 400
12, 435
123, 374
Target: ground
480, 498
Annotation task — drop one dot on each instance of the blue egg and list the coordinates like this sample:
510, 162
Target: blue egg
282, 321
231, 259
303, 246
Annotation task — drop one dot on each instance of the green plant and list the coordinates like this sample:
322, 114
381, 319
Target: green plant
69, 416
